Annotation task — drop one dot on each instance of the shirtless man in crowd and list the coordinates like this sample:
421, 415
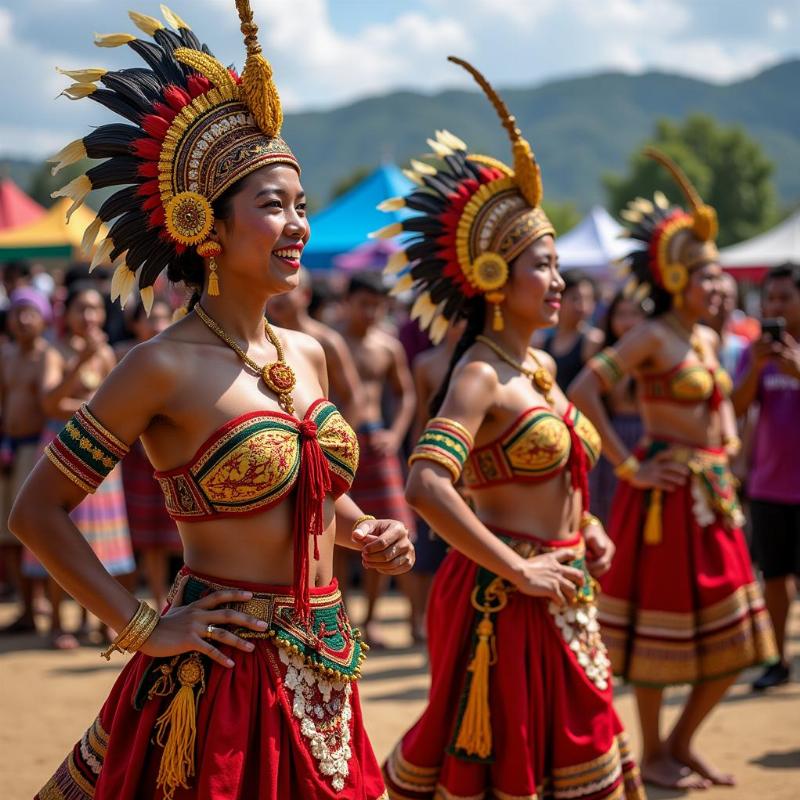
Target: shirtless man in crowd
22, 368
382, 365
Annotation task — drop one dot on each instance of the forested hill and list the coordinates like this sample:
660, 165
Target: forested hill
580, 128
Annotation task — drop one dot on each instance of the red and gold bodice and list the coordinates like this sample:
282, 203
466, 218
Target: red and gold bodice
537, 445
253, 462
686, 383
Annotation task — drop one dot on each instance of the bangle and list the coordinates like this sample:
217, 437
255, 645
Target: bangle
587, 520
362, 518
733, 444
135, 633
628, 468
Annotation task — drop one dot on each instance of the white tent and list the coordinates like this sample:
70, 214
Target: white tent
593, 244
751, 258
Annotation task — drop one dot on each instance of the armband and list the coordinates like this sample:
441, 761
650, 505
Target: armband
445, 442
606, 367
85, 451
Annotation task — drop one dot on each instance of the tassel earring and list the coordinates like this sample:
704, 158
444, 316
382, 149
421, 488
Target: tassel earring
210, 250
495, 298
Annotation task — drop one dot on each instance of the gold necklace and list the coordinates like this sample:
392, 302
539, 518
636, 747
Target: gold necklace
690, 336
541, 378
278, 375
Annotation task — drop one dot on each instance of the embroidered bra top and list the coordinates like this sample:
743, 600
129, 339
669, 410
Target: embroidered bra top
538, 445
687, 383
252, 462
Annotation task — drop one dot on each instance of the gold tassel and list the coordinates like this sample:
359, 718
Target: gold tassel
259, 89
213, 280
176, 729
495, 298
475, 731
652, 525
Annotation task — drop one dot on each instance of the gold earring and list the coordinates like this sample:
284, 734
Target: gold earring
213, 279
495, 298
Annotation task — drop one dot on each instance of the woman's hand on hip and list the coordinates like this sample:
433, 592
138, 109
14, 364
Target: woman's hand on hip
549, 575
660, 472
196, 626
599, 549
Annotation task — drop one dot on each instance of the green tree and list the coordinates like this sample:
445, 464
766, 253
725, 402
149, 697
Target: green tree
564, 216
729, 169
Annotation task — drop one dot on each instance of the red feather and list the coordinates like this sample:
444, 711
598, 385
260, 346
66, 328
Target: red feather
176, 97
154, 125
147, 148
148, 188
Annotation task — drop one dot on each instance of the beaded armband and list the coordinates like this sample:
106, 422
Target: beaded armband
446, 442
85, 451
607, 367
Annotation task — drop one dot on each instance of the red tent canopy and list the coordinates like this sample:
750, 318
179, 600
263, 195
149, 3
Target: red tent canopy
16, 208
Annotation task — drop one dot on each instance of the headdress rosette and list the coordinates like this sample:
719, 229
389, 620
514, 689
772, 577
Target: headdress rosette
674, 240
193, 128
475, 216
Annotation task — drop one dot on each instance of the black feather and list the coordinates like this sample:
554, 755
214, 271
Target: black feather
115, 171
111, 140
120, 202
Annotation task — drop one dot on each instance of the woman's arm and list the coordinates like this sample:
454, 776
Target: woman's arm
430, 491
132, 395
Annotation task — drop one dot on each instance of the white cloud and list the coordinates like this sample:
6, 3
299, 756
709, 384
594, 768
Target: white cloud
777, 19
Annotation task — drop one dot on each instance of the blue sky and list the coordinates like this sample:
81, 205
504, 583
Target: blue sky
329, 52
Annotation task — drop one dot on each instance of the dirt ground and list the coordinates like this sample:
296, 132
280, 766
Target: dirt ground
47, 699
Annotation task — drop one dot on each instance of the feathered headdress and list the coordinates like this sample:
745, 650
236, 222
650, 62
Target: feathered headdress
194, 128
475, 216
666, 230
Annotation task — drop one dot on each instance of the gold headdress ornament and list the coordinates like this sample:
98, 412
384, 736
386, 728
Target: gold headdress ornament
668, 232
477, 215
196, 128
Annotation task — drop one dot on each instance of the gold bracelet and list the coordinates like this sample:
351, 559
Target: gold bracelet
627, 469
733, 444
587, 520
135, 633
362, 518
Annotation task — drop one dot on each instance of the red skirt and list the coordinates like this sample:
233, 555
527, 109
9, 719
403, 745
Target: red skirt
553, 728
683, 606
284, 722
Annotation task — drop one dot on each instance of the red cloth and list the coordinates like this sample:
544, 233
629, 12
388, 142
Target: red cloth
685, 609
249, 743
555, 733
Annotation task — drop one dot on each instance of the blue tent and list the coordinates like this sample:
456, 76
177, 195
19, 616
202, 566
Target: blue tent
348, 221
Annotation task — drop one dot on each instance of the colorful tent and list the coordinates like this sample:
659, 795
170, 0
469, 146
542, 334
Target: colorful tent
16, 208
348, 221
749, 260
593, 244
50, 236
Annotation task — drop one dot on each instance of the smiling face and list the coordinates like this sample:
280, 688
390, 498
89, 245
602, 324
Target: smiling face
702, 297
264, 235
534, 288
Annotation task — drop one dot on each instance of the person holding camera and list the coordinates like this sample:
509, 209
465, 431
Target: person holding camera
769, 377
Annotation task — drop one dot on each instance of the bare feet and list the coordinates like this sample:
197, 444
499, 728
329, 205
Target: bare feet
693, 761
63, 641
669, 773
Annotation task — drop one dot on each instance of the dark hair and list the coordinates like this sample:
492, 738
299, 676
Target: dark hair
474, 310
189, 267
21, 269
366, 281
787, 270
575, 277
77, 288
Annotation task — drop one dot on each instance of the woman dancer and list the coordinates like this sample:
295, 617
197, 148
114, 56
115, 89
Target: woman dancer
680, 604
244, 688
520, 699
622, 404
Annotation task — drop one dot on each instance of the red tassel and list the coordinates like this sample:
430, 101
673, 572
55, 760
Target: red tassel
715, 401
313, 483
578, 466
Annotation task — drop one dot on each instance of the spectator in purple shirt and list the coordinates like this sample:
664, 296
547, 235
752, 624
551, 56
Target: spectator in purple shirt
769, 377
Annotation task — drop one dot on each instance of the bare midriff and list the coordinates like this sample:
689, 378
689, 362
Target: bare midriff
690, 424
256, 549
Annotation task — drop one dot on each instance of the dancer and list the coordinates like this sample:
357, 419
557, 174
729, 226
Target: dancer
679, 604
520, 699
244, 687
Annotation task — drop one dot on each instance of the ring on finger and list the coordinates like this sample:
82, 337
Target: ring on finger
209, 631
